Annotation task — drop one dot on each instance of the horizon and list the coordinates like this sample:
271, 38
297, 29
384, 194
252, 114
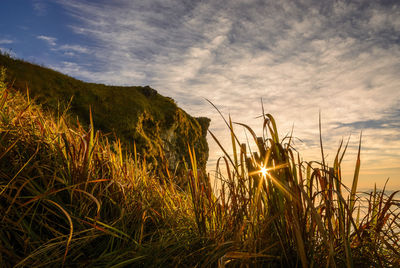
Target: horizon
339, 59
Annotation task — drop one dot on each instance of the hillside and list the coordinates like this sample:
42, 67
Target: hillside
70, 197
158, 127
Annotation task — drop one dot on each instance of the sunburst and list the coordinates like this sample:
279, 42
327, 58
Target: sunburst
263, 171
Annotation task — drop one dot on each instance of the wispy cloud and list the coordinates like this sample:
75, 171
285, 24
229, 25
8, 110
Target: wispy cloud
71, 50
74, 48
339, 57
39, 7
48, 39
387, 121
6, 41
75, 69
8, 51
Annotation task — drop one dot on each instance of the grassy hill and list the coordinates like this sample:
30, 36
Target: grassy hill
135, 114
71, 197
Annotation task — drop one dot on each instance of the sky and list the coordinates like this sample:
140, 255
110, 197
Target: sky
340, 59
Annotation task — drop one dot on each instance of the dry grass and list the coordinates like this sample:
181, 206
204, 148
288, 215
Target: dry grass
70, 197
288, 212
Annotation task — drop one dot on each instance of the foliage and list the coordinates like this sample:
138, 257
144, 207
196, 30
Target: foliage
2, 77
135, 114
69, 196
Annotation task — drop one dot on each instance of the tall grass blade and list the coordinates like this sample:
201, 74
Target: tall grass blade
355, 178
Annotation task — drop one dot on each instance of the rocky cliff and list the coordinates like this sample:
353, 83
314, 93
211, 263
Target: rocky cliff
137, 115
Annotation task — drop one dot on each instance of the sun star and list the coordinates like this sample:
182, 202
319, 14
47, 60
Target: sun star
263, 171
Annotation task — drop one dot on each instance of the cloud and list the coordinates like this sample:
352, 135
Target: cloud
73, 69
340, 58
75, 48
387, 121
71, 50
8, 51
51, 41
6, 41
39, 7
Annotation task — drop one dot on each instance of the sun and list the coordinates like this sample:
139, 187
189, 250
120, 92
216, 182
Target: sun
263, 171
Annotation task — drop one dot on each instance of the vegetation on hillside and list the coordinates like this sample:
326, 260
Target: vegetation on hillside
137, 115
69, 196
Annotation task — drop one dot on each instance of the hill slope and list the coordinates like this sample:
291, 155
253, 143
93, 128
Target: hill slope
135, 114
68, 198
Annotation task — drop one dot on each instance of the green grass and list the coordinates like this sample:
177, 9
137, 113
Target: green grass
135, 114
70, 196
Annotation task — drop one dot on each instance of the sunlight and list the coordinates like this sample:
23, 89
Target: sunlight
263, 171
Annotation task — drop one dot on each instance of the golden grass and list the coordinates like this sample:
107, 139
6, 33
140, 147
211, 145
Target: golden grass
70, 197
